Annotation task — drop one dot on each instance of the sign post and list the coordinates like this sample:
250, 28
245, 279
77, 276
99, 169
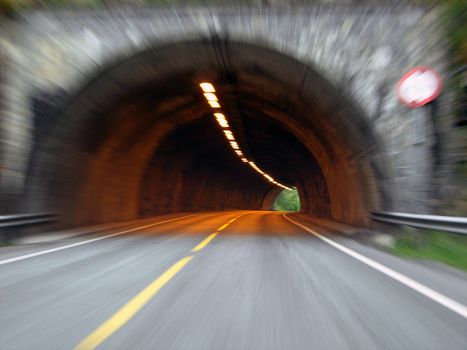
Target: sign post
421, 86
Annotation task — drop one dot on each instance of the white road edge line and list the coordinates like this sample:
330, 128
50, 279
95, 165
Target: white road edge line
407, 281
43, 252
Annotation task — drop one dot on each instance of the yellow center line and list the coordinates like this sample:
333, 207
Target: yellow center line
223, 226
123, 315
209, 238
204, 242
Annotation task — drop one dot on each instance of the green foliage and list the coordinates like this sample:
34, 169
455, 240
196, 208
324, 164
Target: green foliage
454, 21
287, 201
444, 247
455, 18
11, 6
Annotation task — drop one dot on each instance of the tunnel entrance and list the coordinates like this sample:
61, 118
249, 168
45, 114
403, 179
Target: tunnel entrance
140, 139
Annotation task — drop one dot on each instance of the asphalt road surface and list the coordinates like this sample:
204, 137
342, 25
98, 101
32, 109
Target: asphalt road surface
226, 280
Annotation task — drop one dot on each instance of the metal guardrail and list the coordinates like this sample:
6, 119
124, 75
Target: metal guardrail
9, 224
453, 224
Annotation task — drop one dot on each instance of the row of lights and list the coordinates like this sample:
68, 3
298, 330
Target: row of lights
211, 98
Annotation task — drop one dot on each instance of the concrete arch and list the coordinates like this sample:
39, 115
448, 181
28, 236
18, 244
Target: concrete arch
138, 139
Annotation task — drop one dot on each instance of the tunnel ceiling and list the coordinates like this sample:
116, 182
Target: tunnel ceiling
139, 139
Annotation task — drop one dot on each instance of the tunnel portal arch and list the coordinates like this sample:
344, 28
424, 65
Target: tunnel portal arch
132, 141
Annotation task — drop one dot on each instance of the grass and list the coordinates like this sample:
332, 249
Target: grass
444, 247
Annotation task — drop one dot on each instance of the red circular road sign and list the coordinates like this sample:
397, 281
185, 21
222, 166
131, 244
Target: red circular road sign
419, 86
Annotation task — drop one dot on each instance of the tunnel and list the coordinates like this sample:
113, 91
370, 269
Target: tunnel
138, 139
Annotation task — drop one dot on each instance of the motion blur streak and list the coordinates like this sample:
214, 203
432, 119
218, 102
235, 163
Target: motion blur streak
420, 288
139, 135
47, 251
264, 283
129, 310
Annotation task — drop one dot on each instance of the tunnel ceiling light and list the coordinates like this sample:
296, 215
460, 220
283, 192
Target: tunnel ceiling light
221, 120
207, 87
210, 96
229, 135
214, 104
223, 123
213, 101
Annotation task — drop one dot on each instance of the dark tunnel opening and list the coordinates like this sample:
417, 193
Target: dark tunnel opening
139, 140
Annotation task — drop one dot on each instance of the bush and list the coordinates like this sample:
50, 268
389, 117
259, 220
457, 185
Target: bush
445, 247
287, 201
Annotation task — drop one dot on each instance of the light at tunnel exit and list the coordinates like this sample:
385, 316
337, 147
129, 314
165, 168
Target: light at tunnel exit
287, 200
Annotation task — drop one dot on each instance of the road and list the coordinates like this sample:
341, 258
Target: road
226, 280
